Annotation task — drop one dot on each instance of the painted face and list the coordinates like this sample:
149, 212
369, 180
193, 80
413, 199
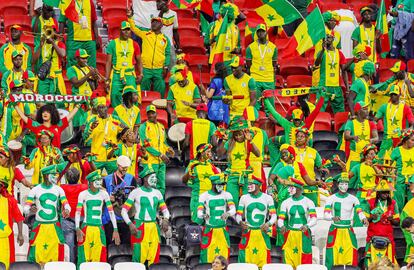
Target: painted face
152, 180
97, 184
219, 188
343, 187
292, 190
251, 188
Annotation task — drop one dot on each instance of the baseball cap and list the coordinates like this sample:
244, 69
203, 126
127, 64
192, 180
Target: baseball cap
16, 26
151, 108
16, 53
156, 19
398, 66
125, 25
395, 89
202, 107
359, 105
81, 53
261, 27
236, 61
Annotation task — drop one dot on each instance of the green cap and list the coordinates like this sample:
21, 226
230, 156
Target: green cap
81, 53
294, 182
51, 169
218, 179
395, 89
125, 25
129, 89
151, 108
93, 176
238, 123
254, 180
145, 172
261, 26
16, 53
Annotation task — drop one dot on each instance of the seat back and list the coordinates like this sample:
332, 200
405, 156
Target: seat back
95, 266
24, 266
129, 266
278, 266
60, 266
164, 266
311, 267
242, 266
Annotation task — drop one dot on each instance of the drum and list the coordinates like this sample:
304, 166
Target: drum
15, 148
176, 134
160, 103
67, 133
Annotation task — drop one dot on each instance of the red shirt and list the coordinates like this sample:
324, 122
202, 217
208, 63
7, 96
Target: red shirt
72, 193
57, 130
14, 212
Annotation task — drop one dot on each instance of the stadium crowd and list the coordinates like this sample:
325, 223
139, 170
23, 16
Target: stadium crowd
94, 147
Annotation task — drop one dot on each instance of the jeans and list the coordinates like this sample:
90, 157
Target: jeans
406, 45
69, 232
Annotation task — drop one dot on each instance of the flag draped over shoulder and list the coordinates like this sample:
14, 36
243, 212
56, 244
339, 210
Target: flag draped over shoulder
67, 8
218, 50
382, 26
278, 12
309, 32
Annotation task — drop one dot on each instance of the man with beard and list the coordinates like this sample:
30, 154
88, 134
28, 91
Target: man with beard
6, 51
14, 73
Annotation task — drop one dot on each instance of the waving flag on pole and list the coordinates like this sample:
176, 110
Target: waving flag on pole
278, 12
382, 26
218, 50
67, 8
309, 32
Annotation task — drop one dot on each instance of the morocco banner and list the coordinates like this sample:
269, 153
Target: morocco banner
35, 98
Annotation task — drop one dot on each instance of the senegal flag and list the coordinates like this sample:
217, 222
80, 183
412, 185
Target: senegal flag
309, 32
67, 8
182, 4
382, 26
218, 49
278, 12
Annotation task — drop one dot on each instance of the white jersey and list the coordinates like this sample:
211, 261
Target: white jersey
215, 205
147, 202
92, 203
298, 212
255, 210
342, 206
46, 199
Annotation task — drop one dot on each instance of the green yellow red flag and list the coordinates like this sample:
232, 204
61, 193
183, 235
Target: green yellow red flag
218, 49
382, 26
278, 12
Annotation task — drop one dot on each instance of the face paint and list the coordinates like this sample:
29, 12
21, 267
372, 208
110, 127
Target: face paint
251, 188
152, 180
219, 188
343, 187
52, 179
292, 190
97, 184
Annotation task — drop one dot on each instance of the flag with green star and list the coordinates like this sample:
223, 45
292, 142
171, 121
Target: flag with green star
278, 12
309, 32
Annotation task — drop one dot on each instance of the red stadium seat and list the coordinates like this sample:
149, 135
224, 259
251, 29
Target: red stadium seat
193, 45
184, 13
323, 121
114, 25
196, 60
113, 4
101, 62
29, 40
189, 23
3, 40
327, 5
13, 7
410, 66
340, 118
113, 12
186, 33
299, 81
385, 74
23, 20
205, 78
294, 66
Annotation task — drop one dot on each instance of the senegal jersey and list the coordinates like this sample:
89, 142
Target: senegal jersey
92, 203
215, 205
242, 87
342, 206
47, 200
404, 159
255, 209
262, 57
298, 212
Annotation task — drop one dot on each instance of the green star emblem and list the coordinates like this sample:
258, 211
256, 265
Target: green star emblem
125, 54
238, 155
255, 251
379, 255
368, 42
2, 225
271, 17
363, 137
217, 250
367, 178
332, 65
206, 175
91, 244
45, 246
394, 121
296, 250
373, 102
341, 250
409, 163
302, 37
